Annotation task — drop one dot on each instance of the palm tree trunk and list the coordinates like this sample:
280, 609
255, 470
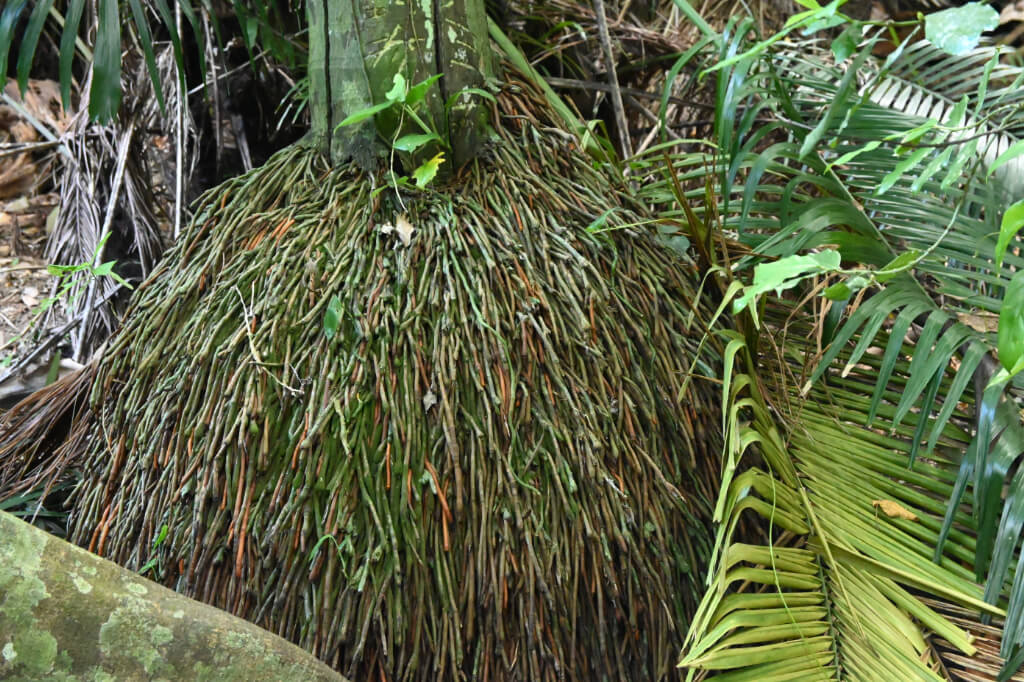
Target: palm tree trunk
357, 47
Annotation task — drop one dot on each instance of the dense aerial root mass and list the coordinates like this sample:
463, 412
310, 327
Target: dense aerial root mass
437, 438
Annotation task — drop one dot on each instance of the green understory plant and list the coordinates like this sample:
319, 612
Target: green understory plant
878, 208
402, 101
74, 281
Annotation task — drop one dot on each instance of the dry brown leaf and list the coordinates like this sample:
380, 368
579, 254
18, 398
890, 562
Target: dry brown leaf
1012, 12
17, 176
982, 322
42, 102
402, 227
894, 510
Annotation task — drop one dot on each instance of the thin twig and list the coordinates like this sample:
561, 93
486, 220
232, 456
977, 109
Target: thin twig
613, 79
12, 148
23, 266
653, 133
181, 101
218, 114
257, 360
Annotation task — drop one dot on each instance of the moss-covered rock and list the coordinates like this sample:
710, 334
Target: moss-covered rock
66, 614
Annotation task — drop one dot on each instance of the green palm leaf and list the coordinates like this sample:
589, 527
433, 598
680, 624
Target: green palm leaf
833, 594
888, 162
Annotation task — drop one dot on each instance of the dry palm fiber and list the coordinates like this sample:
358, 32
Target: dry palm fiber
485, 473
37, 426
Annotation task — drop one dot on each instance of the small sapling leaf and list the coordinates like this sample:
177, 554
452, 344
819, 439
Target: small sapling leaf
410, 143
838, 292
597, 225
469, 91
846, 43
786, 273
842, 291
364, 114
104, 268
419, 91
398, 91
332, 317
898, 265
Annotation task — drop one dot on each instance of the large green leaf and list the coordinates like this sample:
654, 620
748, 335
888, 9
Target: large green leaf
1011, 323
31, 38
72, 21
1013, 221
142, 26
9, 17
105, 96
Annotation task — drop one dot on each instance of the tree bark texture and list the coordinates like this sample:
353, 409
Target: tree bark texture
66, 614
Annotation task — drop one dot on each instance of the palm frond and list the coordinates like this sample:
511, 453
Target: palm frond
834, 592
106, 189
887, 162
933, 202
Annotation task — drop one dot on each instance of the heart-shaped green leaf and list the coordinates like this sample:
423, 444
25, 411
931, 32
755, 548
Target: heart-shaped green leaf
957, 30
410, 143
419, 91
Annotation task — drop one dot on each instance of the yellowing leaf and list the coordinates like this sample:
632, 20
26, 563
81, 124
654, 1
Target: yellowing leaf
894, 510
425, 173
